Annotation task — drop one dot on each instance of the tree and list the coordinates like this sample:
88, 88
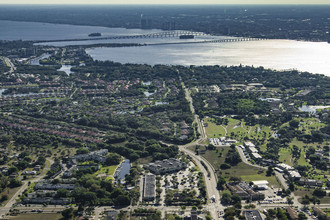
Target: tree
82, 150
236, 199
289, 200
220, 183
62, 193
269, 171
291, 186
302, 216
294, 123
225, 166
295, 152
12, 169
319, 192
122, 200
14, 183
67, 214
226, 198
233, 158
113, 159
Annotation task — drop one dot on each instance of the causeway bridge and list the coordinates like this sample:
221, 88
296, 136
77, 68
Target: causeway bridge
208, 41
164, 34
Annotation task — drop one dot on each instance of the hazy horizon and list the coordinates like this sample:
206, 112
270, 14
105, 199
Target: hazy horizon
164, 2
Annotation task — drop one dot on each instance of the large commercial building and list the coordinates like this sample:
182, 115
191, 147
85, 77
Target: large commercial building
252, 215
245, 191
149, 187
165, 166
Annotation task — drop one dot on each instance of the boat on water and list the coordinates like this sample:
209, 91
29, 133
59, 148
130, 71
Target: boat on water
187, 36
95, 35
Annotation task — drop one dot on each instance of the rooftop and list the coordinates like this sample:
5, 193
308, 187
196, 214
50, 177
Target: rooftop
252, 215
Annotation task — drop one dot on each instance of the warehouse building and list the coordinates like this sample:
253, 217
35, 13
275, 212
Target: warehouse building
149, 187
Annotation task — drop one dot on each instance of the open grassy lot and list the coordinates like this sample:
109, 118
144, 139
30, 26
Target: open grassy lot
213, 130
303, 191
238, 130
241, 170
37, 217
285, 156
10, 192
107, 171
285, 153
327, 211
308, 125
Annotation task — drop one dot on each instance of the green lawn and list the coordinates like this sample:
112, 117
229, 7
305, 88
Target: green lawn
309, 124
242, 170
213, 130
285, 156
10, 192
302, 192
238, 130
107, 171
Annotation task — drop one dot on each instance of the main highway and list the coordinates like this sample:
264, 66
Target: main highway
8, 62
209, 172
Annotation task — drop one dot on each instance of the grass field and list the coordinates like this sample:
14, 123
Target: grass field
213, 130
302, 192
309, 124
37, 217
107, 171
241, 170
238, 130
10, 192
285, 156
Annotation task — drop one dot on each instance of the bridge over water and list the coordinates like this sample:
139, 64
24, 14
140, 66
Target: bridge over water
163, 34
209, 41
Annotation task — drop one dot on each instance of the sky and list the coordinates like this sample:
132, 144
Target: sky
164, 2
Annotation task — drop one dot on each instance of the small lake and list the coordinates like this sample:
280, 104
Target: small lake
312, 109
148, 94
1, 91
123, 170
66, 69
36, 60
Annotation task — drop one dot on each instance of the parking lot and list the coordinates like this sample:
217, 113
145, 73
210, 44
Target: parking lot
184, 179
271, 196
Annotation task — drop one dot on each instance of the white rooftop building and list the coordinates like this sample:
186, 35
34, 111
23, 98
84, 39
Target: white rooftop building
249, 144
294, 174
284, 166
260, 184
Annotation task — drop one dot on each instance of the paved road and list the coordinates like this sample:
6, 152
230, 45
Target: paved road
279, 175
209, 174
9, 64
211, 182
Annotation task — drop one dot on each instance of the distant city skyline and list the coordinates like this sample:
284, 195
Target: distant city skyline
89, 2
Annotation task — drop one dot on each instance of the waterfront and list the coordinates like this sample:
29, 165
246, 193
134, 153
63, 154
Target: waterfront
312, 57
312, 109
17, 30
123, 170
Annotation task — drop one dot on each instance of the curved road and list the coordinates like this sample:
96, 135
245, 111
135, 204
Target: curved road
210, 181
9, 64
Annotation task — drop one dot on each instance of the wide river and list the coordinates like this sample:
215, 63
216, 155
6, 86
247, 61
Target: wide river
313, 57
